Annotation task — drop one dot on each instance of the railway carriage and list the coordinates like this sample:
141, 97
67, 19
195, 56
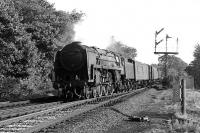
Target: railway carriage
142, 73
129, 80
154, 73
83, 72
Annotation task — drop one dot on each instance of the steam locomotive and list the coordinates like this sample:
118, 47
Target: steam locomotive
84, 72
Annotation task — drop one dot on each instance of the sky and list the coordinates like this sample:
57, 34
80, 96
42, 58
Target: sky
134, 23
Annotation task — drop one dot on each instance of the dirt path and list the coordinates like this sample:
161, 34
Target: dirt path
153, 105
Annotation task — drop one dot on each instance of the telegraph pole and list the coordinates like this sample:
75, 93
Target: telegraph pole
166, 52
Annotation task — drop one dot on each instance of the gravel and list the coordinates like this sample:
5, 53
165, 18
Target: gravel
115, 119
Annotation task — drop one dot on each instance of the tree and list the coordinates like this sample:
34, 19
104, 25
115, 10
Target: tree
194, 67
45, 24
28, 29
175, 69
119, 47
16, 49
175, 66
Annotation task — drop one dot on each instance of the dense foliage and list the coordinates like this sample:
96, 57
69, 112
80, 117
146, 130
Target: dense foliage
29, 34
175, 67
194, 67
119, 47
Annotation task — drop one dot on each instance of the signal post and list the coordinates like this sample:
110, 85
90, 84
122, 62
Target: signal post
182, 86
166, 52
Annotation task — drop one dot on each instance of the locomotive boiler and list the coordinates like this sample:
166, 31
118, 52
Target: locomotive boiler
83, 72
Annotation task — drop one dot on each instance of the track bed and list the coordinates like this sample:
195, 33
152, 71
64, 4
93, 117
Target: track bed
48, 120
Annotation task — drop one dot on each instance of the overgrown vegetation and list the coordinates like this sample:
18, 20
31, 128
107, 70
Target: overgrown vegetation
175, 68
191, 117
30, 33
194, 67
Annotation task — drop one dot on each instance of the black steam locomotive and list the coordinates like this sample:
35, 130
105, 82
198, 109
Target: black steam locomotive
83, 72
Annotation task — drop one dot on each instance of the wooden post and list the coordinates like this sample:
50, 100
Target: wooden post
176, 92
183, 85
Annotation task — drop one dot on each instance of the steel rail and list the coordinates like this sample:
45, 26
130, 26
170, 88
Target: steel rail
19, 111
20, 103
44, 119
10, 104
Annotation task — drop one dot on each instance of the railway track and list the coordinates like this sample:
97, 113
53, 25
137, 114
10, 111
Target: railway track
14, 104
8, 105
46, 120
26, 109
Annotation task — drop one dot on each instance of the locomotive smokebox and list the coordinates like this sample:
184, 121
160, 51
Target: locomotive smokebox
73, 57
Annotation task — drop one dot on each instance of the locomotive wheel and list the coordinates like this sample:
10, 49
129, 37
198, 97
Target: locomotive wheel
121, 87
94, 92
59, 92
69, 96
126, 87
110, 89
105, 90
79, 94
132, 86
86, 92
129, 86
99, 90
136, 86
63, 94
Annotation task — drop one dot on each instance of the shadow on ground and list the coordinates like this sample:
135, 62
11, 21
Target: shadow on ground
165, 116
130, 126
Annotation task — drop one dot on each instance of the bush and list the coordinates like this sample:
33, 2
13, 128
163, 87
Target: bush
9, 89
28, 30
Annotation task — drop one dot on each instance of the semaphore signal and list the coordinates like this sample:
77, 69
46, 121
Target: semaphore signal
166, 52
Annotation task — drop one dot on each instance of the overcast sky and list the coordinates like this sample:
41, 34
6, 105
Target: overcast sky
134, 23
